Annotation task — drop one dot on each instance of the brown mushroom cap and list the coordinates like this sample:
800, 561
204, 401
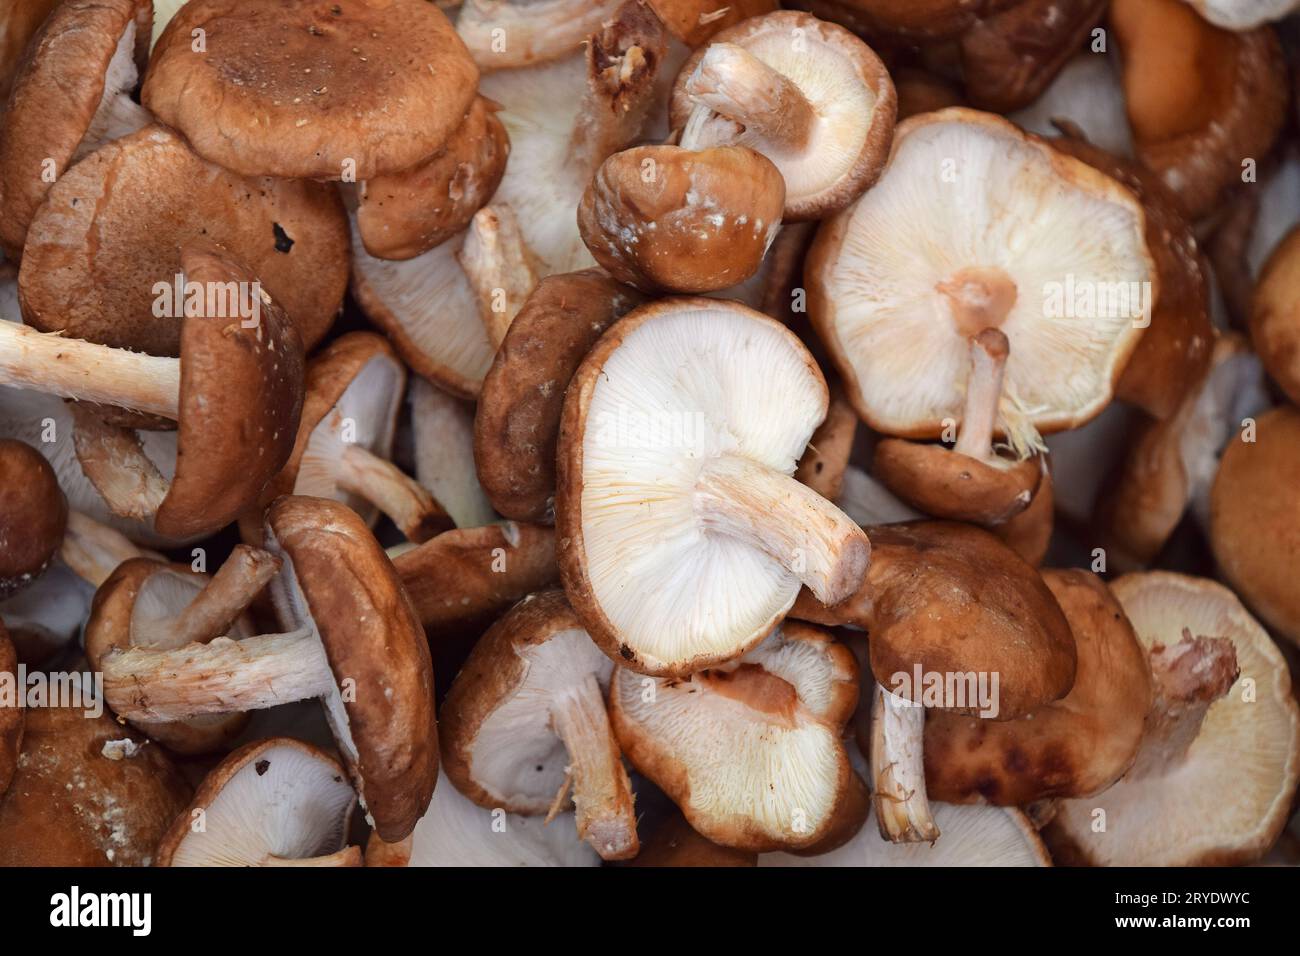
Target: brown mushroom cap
1072, 747
1275, 315
825, 461
87, 793
1029, 534
1255, 518
923, 19
947, 484
11, 716
673, 842
667, 219
517, 424
115, 215
19, 22
298, 89
33, 515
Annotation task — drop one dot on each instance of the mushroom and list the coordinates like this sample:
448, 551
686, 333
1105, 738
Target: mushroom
442, 429
33, 515
694, 21
807, 94
235, 394
1073, 747
1275, 315
355, 90
352, 639
517, 422
1217, 769
501, 34
673, 842
975, 225
11, 715
683, 538
19, 22
277, 802
525, 721
1228, 106
71, 92
1255, 518
920, 91
826, 460
751, 749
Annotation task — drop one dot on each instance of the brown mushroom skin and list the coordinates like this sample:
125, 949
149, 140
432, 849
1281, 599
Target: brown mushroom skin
695, 21
953, 486
826, 458
674, 843
401, 215
1029, 534
18, 24
11, 717
1073, 747
1275, 315
922, 19
33, 515
667, 219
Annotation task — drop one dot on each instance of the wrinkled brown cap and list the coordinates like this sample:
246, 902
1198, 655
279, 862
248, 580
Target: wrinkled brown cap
303, 89
372, 637
1275, 315
33, 515
19, 21
11, 717
947, 484
517, 423
240, 401
113, 227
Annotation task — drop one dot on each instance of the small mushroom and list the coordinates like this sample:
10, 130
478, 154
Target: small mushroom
807, 94
11, 715
525, 721
502, 34
33, 515
683, 537
277, 802
1217, 768
1275, 315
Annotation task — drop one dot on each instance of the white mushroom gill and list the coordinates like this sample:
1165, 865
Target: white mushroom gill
117, 114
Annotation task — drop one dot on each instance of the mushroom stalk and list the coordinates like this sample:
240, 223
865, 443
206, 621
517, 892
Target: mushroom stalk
499, 267
602, 795
221, 677
395, 493
807, 534
115, 463
988, 362
898, 769
348, 856
212, 612
734, 83
72, 368
93, 551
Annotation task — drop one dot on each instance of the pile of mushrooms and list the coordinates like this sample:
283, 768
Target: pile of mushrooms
648, 433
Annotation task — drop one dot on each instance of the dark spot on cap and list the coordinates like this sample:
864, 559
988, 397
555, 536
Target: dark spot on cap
987, 787
627, 653
282, 241
1015, 760
262, 766
539, 768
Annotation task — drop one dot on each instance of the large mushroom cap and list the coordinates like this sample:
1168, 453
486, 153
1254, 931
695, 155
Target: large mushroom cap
1275, 315
106, 244
1224, 799
33, 515
971, 217
298, 89
337, 582
277, 802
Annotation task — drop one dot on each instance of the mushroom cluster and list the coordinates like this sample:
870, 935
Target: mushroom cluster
648, 432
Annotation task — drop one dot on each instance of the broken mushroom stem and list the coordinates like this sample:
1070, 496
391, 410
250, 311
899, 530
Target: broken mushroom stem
733, 83
898, 769
113, 460
348, 856
226, 596
988, 361
92, 551
807, 534
409, 504
500, 268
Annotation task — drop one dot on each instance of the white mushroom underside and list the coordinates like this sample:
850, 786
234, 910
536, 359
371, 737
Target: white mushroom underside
517, 755
956, 197
444, 454
681, 390
1227, 788
286, 803
117, 114
55, 604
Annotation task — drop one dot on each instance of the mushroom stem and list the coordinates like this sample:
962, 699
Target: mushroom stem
1187, 678
348, 856
115, 463
980, 297
72, 368
734, 83
395, 493
807, 534
212, 612
93, 551
221, 677
499, 267
898, 769
988, 362
602, 795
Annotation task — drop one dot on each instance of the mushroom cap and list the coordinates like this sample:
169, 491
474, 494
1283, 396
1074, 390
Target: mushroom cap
33, 515
56, 93
136, 607
278, 798
400, 215
672, 842
502, 34
923, 19
671, 386
1073, 747
500, 748
87, 793
517, 423
851, 96
826, 460
361, 87
1048, 223
337, 581
1029, 534
1228, 799
751, 750
1275, 315
667, 219
1255, 518
18, 24
947, 484
240, 401
115, 214
11, 717
695, 21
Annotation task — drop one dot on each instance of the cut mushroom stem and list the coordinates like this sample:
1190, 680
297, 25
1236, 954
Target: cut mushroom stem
898, 770
413, 509
232, 589
602, 795
348, 856
499, 267
980, 298
93, 551
988, 361
733, 83
816, 541
114, 461
72, 368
